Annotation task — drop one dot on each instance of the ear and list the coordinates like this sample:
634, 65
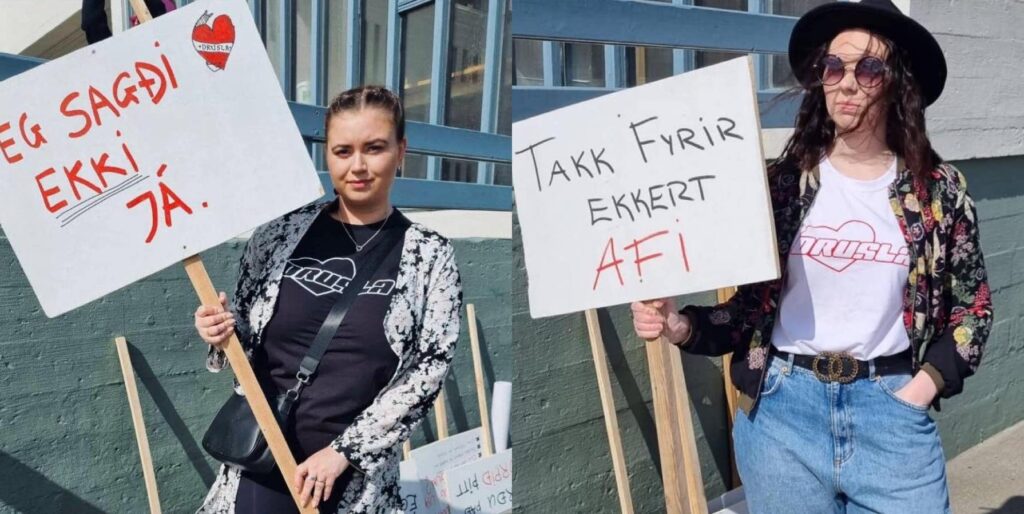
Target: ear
402, 146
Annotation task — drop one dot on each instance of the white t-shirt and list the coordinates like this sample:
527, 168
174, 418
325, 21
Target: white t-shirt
847, 272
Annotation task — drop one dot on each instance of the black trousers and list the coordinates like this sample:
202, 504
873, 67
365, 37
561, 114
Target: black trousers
260, 494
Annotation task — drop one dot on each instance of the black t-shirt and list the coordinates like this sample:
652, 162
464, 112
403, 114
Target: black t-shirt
359, 361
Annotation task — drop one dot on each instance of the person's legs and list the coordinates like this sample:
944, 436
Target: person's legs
784, 450
898, 465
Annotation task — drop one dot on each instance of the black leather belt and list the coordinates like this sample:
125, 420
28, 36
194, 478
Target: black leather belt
843, 368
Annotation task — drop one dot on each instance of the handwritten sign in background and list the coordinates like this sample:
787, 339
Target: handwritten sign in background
481, 487
654, 191
129, 155
422, 479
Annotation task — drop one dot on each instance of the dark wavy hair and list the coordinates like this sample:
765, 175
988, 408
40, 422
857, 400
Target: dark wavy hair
359, 98
905, 133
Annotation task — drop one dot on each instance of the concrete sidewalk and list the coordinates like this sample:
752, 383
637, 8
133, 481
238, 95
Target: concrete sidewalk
989, 478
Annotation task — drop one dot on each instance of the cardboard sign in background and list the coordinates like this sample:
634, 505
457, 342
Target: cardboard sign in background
127, 156
433, 459
481, 487
650, 192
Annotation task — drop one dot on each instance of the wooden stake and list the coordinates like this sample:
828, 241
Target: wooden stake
149, 475
406, 448
731, 394
611, 419
236, 356
478, 370
441, 415
141, 11
680, 467
247, 379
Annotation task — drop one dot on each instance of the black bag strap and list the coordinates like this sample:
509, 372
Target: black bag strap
385, 247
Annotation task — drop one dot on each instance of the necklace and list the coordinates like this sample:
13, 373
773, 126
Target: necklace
359, 247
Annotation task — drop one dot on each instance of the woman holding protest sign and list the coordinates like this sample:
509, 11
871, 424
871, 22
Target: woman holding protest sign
362, 368
883, 306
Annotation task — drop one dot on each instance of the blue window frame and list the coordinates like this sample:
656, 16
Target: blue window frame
626, 43
444, 56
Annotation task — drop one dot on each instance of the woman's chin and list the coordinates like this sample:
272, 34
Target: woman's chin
362, 200
845, 121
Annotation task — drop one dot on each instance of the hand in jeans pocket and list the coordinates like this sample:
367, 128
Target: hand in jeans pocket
920, 391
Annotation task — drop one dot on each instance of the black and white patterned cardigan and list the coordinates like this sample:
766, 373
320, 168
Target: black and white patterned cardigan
422, 326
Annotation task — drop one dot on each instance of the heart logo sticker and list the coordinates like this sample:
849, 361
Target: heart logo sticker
214, 40
854, 241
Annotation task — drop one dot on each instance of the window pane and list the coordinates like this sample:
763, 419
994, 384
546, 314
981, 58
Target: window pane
584, 64
303, 23
648, 64
780, 74
417, 46
732, 5
273, 36
375, 33
707, 58
415, 166
337, 45
505, 92
502, 175
795, 7
529, 62
466, 64
458, 170
702, 59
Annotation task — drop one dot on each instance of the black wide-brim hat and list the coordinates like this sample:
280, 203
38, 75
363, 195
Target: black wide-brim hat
821, 24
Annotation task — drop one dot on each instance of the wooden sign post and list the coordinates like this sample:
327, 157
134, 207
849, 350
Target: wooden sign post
247, 379
148, 473
611, 418
236, 356
649, 192
731, 395
680, 467
478, 372
441, 415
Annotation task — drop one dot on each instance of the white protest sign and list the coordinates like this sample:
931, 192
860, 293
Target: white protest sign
653, 191
429, 464
125, 157
414, 490
481, 487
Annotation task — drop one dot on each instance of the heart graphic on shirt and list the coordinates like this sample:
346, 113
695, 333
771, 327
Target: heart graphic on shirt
214, 42
321, 277
834, 248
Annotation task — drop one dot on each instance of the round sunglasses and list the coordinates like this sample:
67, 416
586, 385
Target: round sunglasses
869, 71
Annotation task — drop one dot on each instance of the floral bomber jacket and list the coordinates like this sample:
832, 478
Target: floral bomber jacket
947, 307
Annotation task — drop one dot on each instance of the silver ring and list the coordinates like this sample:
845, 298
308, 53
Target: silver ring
311, 477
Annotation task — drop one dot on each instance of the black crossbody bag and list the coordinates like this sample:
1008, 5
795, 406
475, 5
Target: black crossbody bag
234, 437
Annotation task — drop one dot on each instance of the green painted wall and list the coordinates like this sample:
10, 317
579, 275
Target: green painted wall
562, 455
66, 438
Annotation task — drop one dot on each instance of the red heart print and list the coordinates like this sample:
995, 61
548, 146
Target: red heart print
851, 232
214, 43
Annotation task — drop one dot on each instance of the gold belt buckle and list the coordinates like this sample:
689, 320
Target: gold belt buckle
836, 367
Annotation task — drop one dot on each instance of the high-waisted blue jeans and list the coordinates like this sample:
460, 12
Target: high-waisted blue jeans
812, 447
